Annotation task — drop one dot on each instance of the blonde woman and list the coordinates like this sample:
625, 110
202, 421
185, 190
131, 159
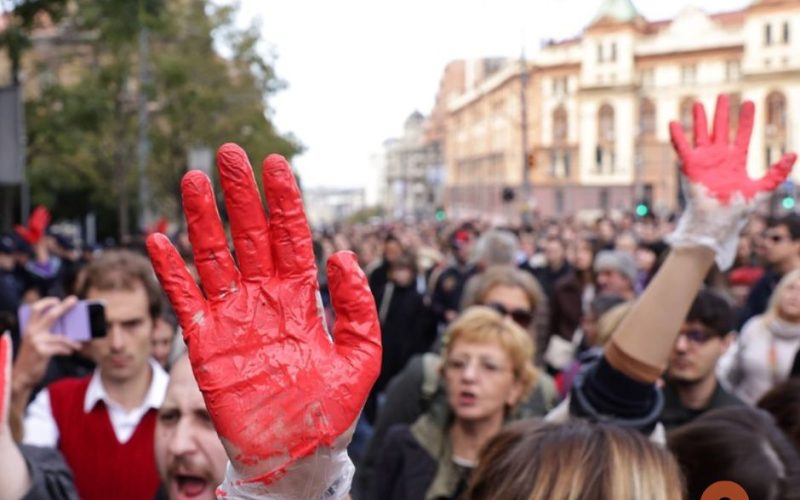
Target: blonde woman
487, 369
767, 345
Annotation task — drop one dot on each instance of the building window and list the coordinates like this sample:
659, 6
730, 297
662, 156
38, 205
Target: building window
776, 115
786, 32
647, 118
560, 125
685, 113
733, 71
604, 161
553, 163
735, 106
688, 74
567, 163
768, 34
559, 201
599, 52
613, 51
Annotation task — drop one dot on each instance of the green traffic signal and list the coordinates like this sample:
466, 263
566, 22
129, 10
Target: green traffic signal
641, 210
440, 215
788, 202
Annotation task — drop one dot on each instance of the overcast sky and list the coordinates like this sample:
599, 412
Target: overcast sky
357, 68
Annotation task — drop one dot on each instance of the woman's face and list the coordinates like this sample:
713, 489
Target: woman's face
584, 257
480, 380
789, 305
514, 303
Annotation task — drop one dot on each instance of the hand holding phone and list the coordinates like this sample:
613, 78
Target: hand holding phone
39, 340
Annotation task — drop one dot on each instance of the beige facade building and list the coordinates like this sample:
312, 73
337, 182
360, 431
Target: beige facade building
598, 108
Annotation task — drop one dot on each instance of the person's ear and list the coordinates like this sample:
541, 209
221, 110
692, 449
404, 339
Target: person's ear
515, 394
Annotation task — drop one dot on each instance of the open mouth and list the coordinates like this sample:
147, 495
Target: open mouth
189, 486
467, 398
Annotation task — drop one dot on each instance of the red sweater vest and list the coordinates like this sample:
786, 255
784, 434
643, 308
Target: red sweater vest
103, 467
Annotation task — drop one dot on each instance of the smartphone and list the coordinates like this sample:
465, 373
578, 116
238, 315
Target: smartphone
85, 321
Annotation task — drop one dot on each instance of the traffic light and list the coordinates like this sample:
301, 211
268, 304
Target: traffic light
788, 202
642, 209
508, 195
440, 215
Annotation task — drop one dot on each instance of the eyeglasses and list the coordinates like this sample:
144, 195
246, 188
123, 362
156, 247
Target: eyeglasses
698, 337
522, 317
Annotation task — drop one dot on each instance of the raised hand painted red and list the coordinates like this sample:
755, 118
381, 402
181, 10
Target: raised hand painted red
37, 225
276, 386
718, 164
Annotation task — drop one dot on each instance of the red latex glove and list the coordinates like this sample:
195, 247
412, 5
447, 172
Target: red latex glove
276, 386
719, 165
37, 225
720, 193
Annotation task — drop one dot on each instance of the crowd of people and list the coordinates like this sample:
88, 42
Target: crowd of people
620, 357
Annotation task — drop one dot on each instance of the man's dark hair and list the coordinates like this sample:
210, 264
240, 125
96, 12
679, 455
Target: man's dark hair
121, 270
792, 223
713, 311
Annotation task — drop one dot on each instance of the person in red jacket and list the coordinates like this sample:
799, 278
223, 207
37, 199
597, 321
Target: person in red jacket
104, 423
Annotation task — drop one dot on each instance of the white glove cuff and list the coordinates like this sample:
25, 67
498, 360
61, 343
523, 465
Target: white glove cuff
326, 475
707, 222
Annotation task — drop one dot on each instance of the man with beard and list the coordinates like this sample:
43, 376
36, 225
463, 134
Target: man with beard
104, 422
691, 387
190, 457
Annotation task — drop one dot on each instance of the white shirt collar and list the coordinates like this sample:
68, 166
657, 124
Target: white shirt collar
153, 399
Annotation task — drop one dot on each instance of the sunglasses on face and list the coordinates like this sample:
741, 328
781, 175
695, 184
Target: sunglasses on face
522, 317
698, 337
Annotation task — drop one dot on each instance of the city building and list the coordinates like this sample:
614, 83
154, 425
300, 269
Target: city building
413, 171
598, 108
326, 206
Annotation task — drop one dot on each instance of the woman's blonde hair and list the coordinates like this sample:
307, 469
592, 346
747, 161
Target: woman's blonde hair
773, 309
480, 324
575, 460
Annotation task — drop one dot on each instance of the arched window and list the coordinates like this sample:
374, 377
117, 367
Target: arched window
647, 118
776, 114
604, 157
775, 130
559, 125
685, 113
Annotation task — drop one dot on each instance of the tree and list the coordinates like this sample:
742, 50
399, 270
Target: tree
82, 133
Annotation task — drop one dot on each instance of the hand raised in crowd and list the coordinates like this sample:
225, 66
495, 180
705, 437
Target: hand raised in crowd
721, 194
39, 344
282, 395
37, 226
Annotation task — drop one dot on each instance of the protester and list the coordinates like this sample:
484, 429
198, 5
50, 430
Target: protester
419, 387
781, 244
163, 336
191, 459
783, 402
488, 371
448, 285
738, 444
615, 273
533, 460
690, 386
768, 344
104, 422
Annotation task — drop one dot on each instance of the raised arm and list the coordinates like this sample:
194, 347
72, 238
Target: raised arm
284, 396
720, 197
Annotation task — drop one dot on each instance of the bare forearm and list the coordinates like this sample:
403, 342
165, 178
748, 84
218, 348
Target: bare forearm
648, 332
15, 480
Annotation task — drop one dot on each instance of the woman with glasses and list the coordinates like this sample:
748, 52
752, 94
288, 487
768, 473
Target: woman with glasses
419, 388
768, 344
487, 371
